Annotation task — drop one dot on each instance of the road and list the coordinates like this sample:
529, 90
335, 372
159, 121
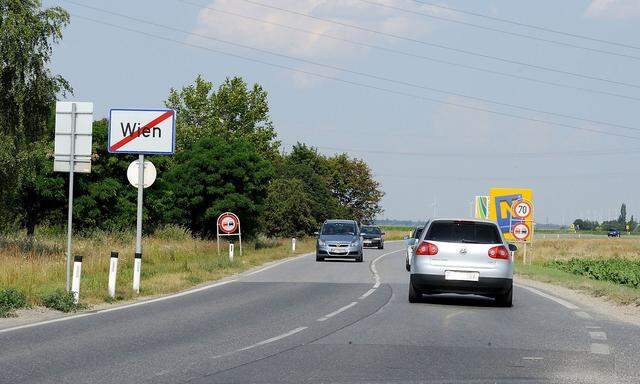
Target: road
301, 321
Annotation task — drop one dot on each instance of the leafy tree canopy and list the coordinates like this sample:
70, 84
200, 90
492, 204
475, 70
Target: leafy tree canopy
234, 111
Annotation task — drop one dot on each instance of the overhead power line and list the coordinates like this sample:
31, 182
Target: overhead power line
413, 55
526, 25
502, 31
358, 84
488, 154
523, 176
446, 47
358, 73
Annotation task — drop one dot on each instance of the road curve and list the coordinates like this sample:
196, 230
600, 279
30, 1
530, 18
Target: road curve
345, 322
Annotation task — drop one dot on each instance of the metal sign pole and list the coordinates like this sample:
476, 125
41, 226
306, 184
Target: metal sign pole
239, 235
138, 256
72, 156
140, 195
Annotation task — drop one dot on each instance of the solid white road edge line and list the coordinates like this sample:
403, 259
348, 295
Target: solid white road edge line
558, 300
184, 293
583, 315
325, 317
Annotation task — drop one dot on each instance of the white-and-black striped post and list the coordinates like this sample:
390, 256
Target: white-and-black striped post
137, 264
230, 251
293, 244
113, 271
75, 281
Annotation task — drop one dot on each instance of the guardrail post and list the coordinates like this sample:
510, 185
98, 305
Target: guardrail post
75, 283
113, 271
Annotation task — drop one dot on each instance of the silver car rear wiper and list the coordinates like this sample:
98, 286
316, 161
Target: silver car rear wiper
469, 241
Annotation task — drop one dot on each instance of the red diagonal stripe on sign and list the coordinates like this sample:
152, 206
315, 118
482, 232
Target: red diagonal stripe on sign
138, 132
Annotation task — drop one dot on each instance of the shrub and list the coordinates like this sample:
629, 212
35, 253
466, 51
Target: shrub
619, 271
61, 300
173, 232
262, 241
10, 300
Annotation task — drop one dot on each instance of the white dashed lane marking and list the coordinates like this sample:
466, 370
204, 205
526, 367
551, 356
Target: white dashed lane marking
600, 349
366, 294
326, 317
601, 336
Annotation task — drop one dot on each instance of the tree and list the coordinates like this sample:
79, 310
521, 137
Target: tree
306, 164
352, 184
215, 176
622, 219
42, 192
287, 209
233, 111
28, 92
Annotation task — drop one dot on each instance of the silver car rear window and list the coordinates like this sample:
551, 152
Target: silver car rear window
463, 232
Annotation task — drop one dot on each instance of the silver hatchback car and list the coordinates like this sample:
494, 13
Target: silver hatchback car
465, 257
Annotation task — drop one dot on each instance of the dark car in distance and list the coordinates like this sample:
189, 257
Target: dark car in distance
372, 236
613, 233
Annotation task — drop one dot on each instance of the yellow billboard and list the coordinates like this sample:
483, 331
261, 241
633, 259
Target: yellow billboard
500, 202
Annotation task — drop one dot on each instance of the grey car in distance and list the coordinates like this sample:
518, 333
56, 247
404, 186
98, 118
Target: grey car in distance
372, 236
463, 257
339, 239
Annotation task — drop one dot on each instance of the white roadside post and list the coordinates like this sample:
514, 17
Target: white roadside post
75, 285
113, 272
230, 251
141, 132
73, 135
137, 264
293, 244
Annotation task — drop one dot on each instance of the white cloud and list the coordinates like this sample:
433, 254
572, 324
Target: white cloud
310, 46
614, 9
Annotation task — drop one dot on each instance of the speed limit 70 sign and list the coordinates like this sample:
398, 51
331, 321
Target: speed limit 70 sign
522, 209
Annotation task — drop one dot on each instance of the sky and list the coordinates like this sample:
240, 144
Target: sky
442, 104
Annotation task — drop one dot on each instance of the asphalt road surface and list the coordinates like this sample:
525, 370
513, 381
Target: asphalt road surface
300, 321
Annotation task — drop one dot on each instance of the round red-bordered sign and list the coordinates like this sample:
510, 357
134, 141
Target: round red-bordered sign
522, 209
228, 223
521, 231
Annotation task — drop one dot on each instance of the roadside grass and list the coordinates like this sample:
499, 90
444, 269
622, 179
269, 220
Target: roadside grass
172, 260
395, 232
554, 258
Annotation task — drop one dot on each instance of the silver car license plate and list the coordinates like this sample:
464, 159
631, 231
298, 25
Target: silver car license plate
460, 275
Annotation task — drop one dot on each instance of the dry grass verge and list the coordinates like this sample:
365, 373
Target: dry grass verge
172, 261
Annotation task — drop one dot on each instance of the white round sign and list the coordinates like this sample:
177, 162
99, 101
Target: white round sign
522, 209
149, 173
521, 231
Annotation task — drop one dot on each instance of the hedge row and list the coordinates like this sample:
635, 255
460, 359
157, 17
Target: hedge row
619, 271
